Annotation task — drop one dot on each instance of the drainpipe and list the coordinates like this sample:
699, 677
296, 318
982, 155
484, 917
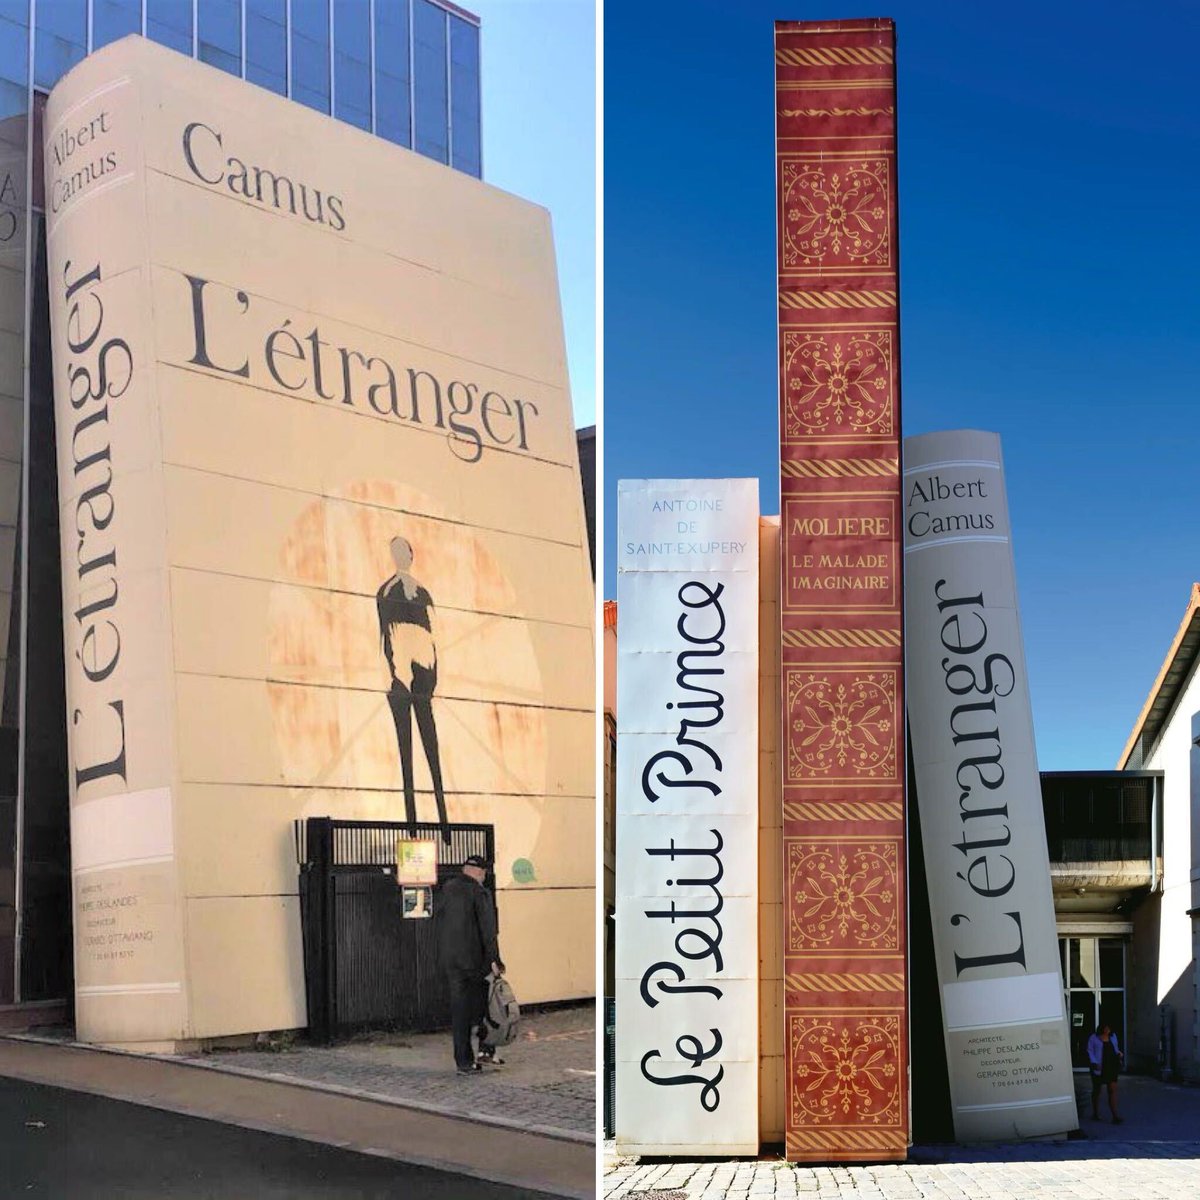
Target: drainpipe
1155, 803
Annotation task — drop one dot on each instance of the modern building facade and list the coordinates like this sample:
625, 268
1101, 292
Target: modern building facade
1104, 835
1165, 922
405, 70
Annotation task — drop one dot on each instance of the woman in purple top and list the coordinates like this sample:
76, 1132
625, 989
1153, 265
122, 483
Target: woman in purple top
1105, 1059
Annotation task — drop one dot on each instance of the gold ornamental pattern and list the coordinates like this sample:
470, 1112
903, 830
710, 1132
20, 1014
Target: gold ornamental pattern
845, 1070
836, 213
841, 724
837, 382
838, 112
844, 895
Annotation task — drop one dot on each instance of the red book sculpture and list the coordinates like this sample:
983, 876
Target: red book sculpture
843, 704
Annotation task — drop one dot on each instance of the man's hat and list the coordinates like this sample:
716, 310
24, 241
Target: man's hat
476, 860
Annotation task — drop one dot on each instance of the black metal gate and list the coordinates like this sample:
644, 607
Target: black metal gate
364, 964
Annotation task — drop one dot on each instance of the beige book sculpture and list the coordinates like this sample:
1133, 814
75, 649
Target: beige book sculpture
324, 551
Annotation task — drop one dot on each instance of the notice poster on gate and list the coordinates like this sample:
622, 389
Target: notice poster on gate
979, 796
687, 817
416, 861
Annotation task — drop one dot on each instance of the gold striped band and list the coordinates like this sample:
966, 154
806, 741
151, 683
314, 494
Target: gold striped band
830, 85
833, 56
849, 810
845, 1138
846, 983
832, 468
837, 299
887, 638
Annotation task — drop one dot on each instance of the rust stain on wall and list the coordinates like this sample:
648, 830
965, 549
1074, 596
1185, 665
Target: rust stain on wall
330, 681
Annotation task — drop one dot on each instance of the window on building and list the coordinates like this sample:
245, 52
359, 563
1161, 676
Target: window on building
219, 34
112, 19
266, 44
14, 57
430, 85
310, 54
60, 40
169, 22
393, 109
465, 146
352, 62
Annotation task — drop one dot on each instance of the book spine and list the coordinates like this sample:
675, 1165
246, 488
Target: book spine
844, 856
127, 907
979, 797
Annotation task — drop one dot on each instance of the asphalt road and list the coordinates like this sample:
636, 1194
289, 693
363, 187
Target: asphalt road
75, 1146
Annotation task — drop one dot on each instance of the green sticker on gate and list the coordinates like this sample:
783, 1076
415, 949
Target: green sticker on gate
522, 871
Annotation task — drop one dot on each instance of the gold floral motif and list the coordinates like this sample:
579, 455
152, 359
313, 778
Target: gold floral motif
838, 112
845, 1070
843, 894
836, 213
836, 382
841, 724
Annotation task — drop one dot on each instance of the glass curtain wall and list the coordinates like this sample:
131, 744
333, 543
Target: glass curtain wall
405, 70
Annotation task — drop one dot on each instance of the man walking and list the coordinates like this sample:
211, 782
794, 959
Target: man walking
465, 923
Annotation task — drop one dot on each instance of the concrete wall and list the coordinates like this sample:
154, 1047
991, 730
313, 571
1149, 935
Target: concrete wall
1141, 986
1176, 974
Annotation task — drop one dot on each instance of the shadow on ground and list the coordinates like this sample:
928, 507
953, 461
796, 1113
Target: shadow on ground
1161, 1120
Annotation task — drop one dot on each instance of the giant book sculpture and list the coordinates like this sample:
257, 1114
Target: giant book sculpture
846, 1020
980, 797
687, 952
322, 532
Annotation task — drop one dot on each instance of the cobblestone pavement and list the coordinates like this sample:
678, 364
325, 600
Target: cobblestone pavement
1155, 1154
1122, 1171
547, 1084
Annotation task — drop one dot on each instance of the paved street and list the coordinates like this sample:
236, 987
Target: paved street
234, 1108
1154, 1154
548, 1081
56, 1143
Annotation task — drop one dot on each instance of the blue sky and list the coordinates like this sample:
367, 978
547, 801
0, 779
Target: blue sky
1049, 160
539, 119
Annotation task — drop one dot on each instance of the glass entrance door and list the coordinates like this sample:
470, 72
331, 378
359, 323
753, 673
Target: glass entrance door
1093, 972
1081, 1010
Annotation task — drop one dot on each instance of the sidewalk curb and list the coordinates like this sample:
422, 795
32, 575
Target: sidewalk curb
441, 1110
551, 1167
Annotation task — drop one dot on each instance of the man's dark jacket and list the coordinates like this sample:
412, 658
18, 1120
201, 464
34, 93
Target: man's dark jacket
465, 922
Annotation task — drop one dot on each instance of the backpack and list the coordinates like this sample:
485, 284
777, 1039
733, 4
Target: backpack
503, 1017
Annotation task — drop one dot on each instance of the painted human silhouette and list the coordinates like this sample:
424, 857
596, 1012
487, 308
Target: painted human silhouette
406, 632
